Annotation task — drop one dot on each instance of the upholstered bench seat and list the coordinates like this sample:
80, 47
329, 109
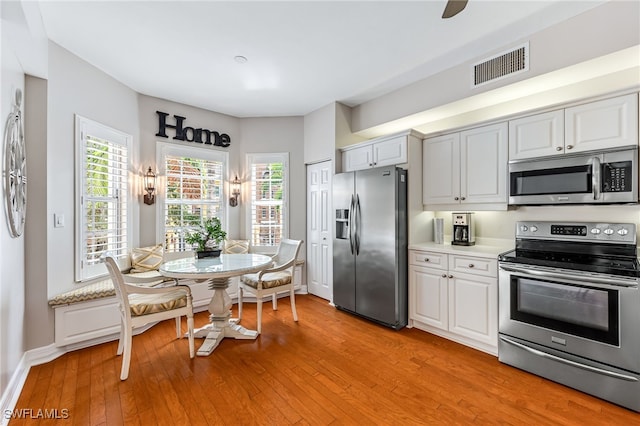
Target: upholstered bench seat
101, 289
89, 292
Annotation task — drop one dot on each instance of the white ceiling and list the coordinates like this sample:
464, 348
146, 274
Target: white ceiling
302, 55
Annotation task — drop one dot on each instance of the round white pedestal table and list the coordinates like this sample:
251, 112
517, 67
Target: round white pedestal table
218, 270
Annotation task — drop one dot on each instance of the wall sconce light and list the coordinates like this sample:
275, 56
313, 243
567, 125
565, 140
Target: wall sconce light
235, 192
150, 187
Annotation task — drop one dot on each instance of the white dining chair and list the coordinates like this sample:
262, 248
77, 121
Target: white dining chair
277, 279
140, 305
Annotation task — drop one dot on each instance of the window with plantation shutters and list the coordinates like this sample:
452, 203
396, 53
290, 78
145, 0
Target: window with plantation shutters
102, 196
194, 188
268, 212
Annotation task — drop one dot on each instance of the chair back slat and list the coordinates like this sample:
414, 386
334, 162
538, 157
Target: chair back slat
118, 284
287, 252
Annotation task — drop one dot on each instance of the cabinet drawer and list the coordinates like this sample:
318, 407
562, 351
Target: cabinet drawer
428, 259
474, 265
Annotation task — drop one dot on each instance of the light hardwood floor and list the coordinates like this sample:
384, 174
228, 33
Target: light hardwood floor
330, 368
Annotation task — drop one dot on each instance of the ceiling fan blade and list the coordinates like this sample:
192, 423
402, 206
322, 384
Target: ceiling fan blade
453, 7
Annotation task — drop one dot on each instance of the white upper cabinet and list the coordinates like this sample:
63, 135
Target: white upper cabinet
357, 159
483, 168
592, 126
392, 151
604, 124
378, 153
536, 136
465, 168
441, 169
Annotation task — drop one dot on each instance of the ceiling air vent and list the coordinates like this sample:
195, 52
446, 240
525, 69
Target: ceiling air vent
501, 65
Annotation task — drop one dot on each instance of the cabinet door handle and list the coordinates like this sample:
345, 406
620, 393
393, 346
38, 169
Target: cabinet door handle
444, 275
569, 146
558, 148
370, 164
456, 198
426, 259
463, 198
450, 276
471, 265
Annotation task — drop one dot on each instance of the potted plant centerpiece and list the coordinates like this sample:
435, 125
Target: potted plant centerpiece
207, 238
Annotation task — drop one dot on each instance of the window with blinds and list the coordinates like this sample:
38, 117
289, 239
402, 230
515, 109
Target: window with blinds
268, 213
103, 196
194, 192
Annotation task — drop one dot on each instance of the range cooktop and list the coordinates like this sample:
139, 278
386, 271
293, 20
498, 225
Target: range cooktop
591, 247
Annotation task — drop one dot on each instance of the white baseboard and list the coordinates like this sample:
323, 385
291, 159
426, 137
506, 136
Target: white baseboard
12, 392
14, 388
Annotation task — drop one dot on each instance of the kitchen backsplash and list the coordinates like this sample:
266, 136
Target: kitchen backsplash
501, 224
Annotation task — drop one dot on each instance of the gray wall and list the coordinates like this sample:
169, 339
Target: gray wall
76, 87
39, 327
197, 118
283, 134
320, 134
602, 30
12, 255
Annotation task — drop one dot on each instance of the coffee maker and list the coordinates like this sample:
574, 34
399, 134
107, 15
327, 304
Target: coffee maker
463, 230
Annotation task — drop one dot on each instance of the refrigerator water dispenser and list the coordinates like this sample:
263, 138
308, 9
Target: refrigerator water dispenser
342, 224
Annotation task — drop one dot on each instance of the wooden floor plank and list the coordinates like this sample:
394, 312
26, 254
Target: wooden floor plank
330, 368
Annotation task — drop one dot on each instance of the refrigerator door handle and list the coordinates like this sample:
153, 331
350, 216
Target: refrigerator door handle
351, 222
358, 218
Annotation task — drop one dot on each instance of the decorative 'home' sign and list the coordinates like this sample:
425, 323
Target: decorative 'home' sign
189, 134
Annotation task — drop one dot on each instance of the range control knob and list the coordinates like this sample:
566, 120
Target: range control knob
623, 231
524, 228
595, 231
608, 231
533, 228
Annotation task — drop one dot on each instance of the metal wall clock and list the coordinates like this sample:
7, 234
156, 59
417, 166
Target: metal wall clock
15, 169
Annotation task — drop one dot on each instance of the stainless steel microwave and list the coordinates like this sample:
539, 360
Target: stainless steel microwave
594, 177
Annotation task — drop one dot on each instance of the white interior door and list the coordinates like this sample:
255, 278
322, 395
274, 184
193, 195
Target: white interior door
319, 230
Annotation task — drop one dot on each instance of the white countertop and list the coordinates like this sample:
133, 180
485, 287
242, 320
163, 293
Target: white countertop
489, 248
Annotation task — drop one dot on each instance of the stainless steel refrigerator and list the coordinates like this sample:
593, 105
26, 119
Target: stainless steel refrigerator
370, 244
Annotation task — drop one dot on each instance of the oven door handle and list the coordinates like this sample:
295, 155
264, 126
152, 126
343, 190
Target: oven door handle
569, 362
571, 278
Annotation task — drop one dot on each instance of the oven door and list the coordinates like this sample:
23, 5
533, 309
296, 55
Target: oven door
594, 316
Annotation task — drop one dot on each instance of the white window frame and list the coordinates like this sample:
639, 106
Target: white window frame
85, 127
279, 157
168, 149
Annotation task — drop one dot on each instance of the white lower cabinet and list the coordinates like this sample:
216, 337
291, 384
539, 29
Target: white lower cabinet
456, 297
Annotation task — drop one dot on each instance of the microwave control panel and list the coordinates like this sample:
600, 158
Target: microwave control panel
616, 177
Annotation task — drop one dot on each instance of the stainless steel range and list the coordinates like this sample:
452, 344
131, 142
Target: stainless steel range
569, 307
